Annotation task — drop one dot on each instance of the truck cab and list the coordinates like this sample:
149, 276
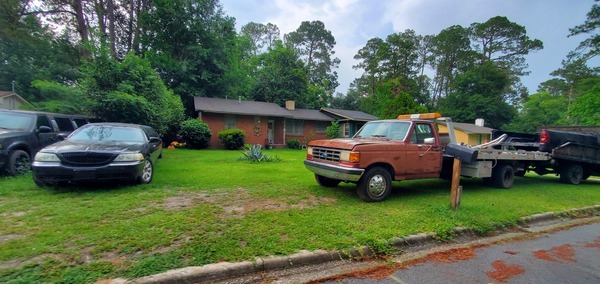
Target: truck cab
380, 152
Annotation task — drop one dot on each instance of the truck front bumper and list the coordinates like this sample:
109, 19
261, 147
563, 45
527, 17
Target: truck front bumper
334, 171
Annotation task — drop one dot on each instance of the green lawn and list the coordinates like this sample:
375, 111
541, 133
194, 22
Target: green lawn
207, 206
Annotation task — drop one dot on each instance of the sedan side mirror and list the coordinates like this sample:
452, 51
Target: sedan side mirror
155, 140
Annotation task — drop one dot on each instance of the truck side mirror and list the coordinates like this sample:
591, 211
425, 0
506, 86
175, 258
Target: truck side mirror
429, 141
44, 129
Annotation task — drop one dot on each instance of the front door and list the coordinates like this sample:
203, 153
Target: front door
271, 131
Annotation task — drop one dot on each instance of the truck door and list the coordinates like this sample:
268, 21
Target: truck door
423, 159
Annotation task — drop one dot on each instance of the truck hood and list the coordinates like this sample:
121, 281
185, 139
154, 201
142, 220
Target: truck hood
350, 143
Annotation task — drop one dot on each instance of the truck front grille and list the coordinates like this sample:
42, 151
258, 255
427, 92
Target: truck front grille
87, 158
326, 154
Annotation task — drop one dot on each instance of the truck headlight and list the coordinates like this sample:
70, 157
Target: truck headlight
352, 157
129, 157
46, 157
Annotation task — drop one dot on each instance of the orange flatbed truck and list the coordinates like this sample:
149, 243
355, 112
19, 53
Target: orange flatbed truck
407, 148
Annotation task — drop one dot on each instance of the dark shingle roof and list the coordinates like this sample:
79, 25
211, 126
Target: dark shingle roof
350, 114
217, 105
310, 114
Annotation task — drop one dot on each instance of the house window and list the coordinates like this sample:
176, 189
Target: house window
322, 126
346, 130
229, 121
294, 127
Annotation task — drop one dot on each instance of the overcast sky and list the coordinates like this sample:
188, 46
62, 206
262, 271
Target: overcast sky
354, 22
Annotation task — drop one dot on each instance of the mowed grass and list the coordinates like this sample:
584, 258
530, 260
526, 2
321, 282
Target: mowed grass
208, 206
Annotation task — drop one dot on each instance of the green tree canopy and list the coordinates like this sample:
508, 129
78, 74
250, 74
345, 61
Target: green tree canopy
131, 91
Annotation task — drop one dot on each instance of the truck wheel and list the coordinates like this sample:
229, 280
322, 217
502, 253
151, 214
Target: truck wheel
18, 163
326, 182
503, 176
572, 174
375, 185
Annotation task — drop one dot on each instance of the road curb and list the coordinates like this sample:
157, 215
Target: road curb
225, 270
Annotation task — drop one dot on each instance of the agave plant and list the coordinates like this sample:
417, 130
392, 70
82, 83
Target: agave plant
254, 153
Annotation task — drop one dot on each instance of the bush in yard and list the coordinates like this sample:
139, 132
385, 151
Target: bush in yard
293, 143
233, 138
195, 133
333, 131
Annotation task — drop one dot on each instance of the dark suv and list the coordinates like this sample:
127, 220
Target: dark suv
23, 133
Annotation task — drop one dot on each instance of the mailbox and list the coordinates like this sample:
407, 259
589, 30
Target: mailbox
463, 153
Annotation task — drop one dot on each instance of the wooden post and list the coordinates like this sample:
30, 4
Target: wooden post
456, 190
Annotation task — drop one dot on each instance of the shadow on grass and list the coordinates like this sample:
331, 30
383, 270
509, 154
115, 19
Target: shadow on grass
90, 187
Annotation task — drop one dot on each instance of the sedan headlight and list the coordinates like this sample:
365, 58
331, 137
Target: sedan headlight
129, 157
46, 157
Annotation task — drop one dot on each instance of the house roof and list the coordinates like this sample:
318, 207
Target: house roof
310, 114
472, 128
226, 106
6, 93
350, 114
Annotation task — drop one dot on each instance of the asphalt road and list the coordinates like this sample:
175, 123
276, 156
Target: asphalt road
565, 256
553, 252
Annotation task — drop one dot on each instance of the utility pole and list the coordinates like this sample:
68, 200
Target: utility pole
13, 86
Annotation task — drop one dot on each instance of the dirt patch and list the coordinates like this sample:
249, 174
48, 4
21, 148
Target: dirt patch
502, 272
6, 238
556, 254
14, 214
594, 244
238, 203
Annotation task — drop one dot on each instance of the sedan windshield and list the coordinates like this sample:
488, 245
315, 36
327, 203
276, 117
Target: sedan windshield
100, 133
395, 130
16, 121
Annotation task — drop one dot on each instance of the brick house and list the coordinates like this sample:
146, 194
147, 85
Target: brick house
271, 125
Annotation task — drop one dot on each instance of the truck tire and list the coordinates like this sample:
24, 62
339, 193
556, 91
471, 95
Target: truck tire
375, 185
18, 163
326, 182
503, 176
571, 174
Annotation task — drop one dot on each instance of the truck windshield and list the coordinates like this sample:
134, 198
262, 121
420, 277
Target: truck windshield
394, 130
16, 121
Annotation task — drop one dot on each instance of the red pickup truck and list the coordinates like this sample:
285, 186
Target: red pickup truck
382, 151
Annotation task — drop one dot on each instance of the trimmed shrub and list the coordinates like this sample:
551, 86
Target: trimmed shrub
293, 143
233, 138
195, 133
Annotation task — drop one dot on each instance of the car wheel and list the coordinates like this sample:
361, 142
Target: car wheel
18, 163
571, 174
375, 185
503, 176
147, 173
326, 182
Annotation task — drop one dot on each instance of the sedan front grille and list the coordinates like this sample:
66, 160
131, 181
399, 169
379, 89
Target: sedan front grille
87, 158
326, 154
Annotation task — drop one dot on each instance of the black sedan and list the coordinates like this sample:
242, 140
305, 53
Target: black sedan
100, 152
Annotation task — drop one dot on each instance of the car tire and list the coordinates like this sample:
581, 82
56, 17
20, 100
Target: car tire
571, 174
40, 183
375, 185
18, 163
503, 176
147, 173
327, 182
